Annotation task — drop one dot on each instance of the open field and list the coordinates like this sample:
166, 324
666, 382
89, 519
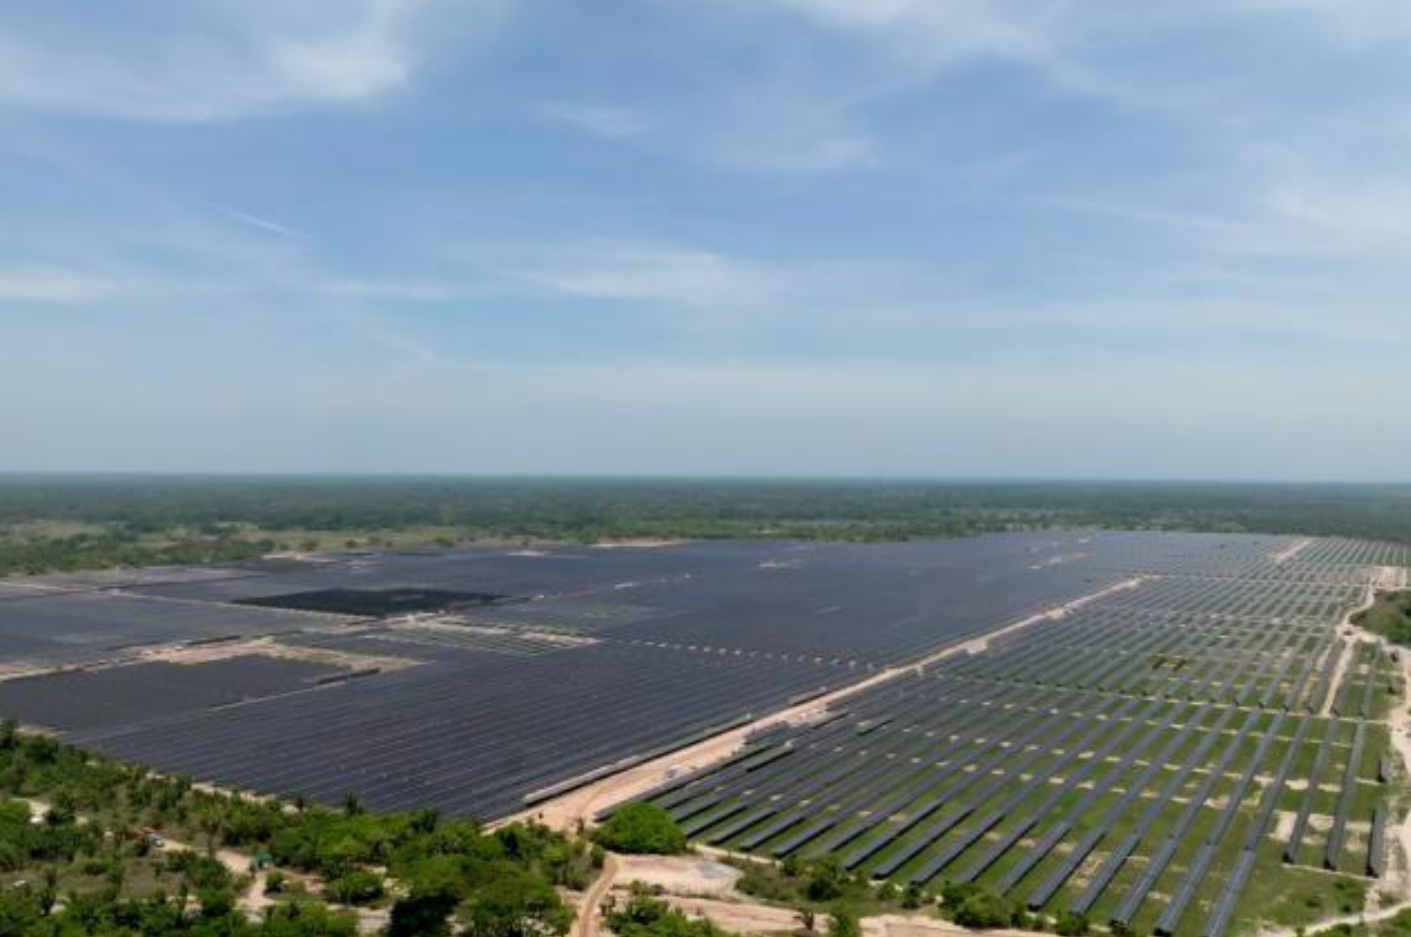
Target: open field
1167, 732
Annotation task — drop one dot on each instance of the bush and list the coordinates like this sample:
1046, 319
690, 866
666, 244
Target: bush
356, 888
307, 919
1072, 925
983, 910
828, 880
844, 923
642, 828
643, 915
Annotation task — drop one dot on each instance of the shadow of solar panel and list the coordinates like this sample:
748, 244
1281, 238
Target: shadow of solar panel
374, 603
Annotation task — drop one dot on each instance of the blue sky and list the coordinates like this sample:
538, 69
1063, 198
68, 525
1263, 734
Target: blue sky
893, 237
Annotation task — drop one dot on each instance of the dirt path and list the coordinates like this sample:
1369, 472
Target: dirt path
692, 888
1345, 652
588, 916
1398, 878
743, 917
1292, 550
578, 806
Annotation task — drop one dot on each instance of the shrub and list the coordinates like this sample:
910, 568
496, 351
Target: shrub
358, 887
844, 923
643, 915
983, 910
642, 828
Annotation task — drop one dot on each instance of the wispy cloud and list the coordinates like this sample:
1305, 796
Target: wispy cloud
211, 61
599, 120
51, 285
700, 288
262, 224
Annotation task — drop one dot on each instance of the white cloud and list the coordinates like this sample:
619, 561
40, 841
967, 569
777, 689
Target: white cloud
648, 273
1351, 216
602, 121
47, 284
214, 60
697, 288
932, 33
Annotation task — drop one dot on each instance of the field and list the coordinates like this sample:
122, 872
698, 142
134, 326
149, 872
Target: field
1161, 732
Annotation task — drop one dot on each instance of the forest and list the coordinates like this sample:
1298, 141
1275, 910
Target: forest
76, 522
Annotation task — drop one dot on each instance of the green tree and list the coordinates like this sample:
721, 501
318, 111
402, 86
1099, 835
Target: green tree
435, 887
641, 828
828, 880
515, 905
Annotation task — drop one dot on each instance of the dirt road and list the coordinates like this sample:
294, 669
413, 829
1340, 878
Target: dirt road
1398, 877
578, 806
588, 917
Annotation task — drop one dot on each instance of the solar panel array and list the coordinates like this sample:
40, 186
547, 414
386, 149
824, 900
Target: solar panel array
589, 657
1133, 759
1127, 760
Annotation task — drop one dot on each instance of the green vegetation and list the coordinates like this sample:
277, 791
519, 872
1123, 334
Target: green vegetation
74, 523
979, 908
641, 828
844, 923
100, 861
811, 886
1389, 616
825, 885
1397, 926
644, 915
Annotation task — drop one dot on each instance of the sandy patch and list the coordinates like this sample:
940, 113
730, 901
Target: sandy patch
687, 876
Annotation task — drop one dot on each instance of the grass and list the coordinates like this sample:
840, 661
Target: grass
1389, 616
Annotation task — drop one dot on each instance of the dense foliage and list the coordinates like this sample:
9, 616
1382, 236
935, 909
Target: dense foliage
641, 828
102, 860
51, 523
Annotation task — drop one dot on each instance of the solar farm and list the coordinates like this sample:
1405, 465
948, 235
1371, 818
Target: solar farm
1141, 760
1167, 733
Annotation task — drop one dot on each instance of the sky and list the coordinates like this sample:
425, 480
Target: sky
936, 238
